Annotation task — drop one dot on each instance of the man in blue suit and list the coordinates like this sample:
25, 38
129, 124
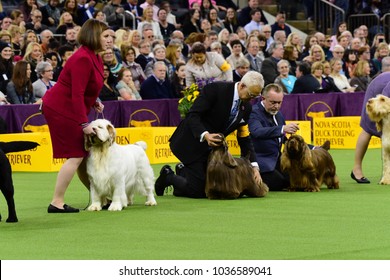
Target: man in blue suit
267, 128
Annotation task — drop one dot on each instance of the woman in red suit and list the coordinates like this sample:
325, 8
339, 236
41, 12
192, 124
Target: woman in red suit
67, 104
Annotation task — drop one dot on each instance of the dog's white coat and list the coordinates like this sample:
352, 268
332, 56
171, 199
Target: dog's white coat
117, 172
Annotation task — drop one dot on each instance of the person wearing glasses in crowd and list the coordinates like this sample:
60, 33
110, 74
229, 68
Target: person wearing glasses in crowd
148, 19
45, 76
222, 107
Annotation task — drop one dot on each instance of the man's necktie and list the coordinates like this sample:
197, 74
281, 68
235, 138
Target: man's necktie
234, 111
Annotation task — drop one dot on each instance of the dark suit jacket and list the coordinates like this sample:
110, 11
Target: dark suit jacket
265, 137
269, 70
252, 65
306, 84
151, 89
236, 77
210, 112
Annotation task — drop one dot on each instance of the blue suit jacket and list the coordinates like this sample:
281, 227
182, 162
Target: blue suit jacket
265, 137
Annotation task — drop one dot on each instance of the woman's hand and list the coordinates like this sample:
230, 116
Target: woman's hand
88, 130
99, 107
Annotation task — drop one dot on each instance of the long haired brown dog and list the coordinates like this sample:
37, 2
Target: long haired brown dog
308, 169
378, 110
229, 177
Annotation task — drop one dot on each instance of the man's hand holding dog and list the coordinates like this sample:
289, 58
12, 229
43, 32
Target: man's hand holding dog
213, 139
291, 128
257, 176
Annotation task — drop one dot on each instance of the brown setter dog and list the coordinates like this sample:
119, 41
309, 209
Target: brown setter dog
229, 177
308, 169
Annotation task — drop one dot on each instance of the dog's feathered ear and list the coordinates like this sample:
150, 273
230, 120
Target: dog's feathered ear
285, 162
87, 142
307, 162
379, 125
228, 159
111, 132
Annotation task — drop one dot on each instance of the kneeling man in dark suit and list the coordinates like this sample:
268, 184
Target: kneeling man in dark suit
222, 107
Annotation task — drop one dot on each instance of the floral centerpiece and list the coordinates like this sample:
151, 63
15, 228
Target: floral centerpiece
190, 93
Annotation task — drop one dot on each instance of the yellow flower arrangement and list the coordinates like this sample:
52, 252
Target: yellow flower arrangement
189, 95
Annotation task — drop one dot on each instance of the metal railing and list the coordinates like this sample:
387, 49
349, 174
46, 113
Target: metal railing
132, 18
372, 21
327, 16
386, 26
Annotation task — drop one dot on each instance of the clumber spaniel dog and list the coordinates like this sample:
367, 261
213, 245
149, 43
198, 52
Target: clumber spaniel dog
378, 110
308, 169
228, 177
116, 172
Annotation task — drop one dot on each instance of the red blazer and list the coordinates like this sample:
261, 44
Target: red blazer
78, 86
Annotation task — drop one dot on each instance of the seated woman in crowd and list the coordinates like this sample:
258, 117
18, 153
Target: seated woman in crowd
236, 53
66, 21
291, 54
173, 53
109, 91
147, 17
310, 41
285, 80
126, 86
231, 22
19, 89
342, 26
328, 84
350, 60
178, 83
128, 58
135, 40
206, 65
159, 52
381, 51
340, 80
29, 36
316, 54
33, 56
361, 76
45, 76
109, 58
294, 40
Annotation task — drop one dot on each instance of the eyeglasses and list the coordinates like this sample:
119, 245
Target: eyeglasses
250, 94
51, 70
329, 41
339, 52
266, 31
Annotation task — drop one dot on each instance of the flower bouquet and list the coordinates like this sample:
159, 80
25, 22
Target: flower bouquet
190, 93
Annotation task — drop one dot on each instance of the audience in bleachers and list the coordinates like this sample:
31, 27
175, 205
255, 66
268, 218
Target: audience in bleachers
232, 41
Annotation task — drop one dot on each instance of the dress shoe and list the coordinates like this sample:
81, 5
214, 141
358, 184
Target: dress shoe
161, 182
362, 180
179, 169
67, 209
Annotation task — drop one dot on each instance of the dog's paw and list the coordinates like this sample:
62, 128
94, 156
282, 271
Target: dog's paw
151, 203
115, 206
95, 207
384, 181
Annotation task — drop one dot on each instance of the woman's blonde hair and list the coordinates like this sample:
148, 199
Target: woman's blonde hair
359, 69
29, 50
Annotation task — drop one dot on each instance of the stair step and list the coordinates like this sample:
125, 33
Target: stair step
272, 9
303, 25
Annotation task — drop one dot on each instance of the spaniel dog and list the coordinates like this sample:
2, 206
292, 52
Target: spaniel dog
378, 110
6, 184
308, 169
116, 172
228, 177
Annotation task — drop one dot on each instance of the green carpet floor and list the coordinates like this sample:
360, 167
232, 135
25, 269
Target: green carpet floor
349, 223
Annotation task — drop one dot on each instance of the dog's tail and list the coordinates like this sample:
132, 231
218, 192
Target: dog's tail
326, 145
142, 144
17, 146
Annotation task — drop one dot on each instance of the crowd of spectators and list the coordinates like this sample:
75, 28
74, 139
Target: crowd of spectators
161, 48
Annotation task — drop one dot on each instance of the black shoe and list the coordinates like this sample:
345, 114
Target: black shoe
67, 209
179, 168
161, 182
362, 180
